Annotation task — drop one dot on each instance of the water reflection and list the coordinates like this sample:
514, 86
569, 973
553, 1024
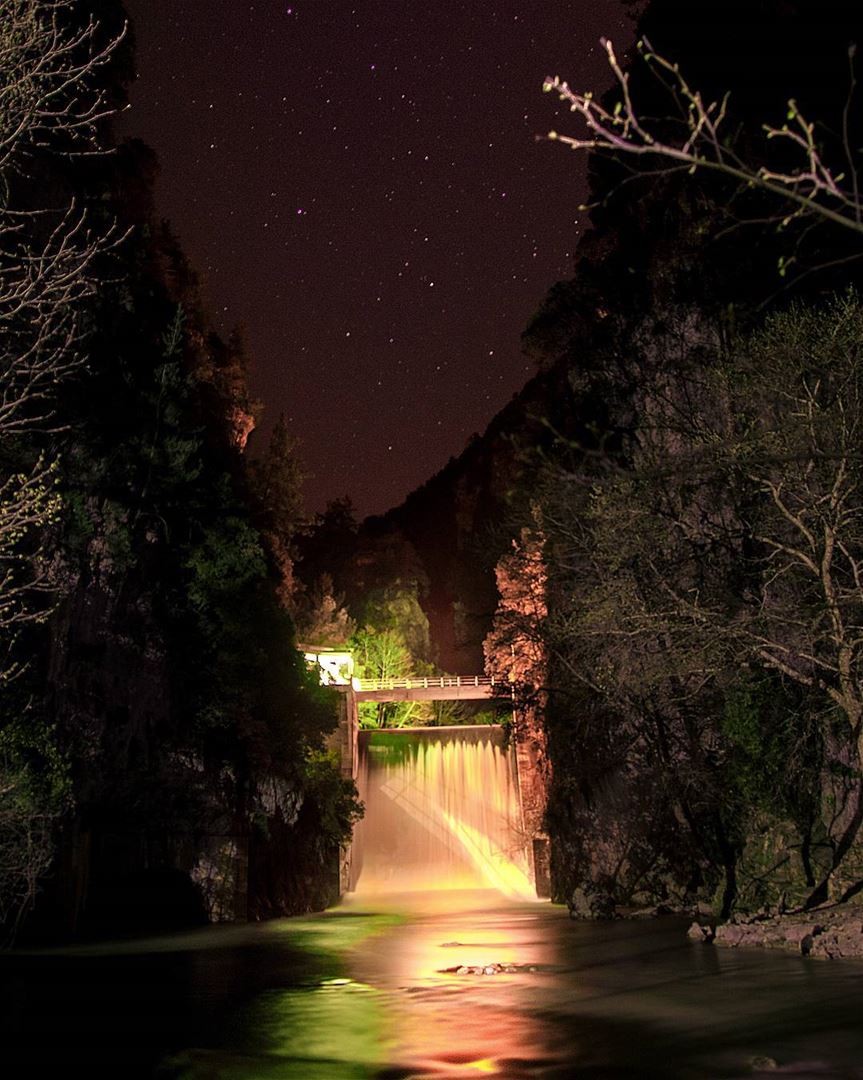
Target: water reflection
336, 1028
615, 1000
392, 994
454, 1023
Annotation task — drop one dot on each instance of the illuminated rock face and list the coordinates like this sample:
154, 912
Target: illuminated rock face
514, 651
442, 812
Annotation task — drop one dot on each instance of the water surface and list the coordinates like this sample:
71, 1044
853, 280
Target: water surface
367, 993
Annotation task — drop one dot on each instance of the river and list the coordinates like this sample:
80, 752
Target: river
394, 992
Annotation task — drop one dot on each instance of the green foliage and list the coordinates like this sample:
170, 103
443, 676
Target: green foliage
702, 510
774, 754
723, 535
277, 484
50, 241
227, 559
276, 488
146, 588
35, 790
335, 802
293, 861
31, 748
395, 611
742, 718
384, 654
323, 619
392, 641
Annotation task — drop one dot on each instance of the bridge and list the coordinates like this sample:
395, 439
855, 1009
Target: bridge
336, 669
431, 688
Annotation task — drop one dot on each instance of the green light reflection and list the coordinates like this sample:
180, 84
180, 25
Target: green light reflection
325, 1026
339, 1023
334, 932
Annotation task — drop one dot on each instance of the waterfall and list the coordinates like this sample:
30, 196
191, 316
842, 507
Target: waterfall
442, 812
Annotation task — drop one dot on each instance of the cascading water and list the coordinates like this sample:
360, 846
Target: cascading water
442, 812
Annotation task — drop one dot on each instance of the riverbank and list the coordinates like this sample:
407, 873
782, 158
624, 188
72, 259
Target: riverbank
830, 932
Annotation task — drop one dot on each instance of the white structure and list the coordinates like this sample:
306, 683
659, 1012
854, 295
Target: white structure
335, 666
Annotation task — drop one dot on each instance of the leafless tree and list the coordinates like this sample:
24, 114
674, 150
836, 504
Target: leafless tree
813, 188
26, 849
52, 104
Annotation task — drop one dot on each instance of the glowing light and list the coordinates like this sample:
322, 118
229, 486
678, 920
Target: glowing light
335, 666
442, 813
501, 873
435, 1040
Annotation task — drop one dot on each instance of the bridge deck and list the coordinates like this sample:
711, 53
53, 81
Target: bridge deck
431, 688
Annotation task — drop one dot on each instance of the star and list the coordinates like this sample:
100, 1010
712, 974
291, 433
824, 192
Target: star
405, 133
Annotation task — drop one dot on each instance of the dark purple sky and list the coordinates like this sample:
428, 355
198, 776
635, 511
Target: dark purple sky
358, 185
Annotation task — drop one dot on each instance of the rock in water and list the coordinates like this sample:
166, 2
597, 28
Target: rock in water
761, 1063
590, 901
704, 934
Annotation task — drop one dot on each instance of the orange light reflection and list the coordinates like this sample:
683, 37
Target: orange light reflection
453, 1025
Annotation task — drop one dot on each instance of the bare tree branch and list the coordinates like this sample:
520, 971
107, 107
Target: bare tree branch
813, 188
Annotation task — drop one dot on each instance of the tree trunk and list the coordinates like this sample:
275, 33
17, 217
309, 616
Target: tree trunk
821, 892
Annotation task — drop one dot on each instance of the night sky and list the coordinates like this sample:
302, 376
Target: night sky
359, 187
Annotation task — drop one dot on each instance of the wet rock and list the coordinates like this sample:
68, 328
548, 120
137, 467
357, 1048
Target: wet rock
761, 1063
775, 933
483, 969
704, 934
590, 901
799, 934
732, 935
843, 942
641, 913
655, 911
837, 933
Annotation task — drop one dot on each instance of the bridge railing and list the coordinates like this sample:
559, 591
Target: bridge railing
426, 682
